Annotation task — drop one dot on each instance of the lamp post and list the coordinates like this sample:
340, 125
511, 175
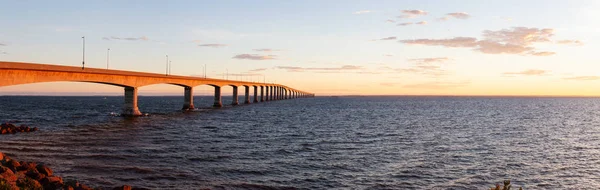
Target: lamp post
107, 57
167, 67
83, 59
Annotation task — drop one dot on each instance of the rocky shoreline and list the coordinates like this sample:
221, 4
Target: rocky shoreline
9, 128
16, 175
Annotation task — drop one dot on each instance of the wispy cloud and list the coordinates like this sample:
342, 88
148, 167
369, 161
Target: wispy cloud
389, 38
362, 12
142, 38
213, 45
405, 24
570, 42
254, 57
258, 70
390, 84
303, 69
421, 23
583, 78
543, 53
430, 60
1, 44
412, 13
459, 15
437, 85
516, 40
266, 50
390, 20
530, 72
388, 55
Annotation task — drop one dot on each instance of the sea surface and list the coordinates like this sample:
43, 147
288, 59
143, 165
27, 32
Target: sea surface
313, 143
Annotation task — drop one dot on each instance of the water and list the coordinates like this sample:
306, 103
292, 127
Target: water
317, 143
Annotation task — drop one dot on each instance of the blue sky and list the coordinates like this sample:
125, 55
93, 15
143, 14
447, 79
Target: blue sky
327, 47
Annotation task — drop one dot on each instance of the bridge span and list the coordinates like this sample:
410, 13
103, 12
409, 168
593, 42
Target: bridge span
15, 73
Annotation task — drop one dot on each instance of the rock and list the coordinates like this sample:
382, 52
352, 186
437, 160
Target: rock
26, 166
34, 129
83, 187
124, 187
2, 156
34, 174
13, 165
52, 182
44, 170
8, 175
29, 184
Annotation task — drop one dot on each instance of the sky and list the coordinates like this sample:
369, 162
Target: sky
333, 47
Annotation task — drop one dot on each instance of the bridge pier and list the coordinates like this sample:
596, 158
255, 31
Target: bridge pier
271, 93
262, 93
235, 96
246, 94
131, 108
188, 94
255, 94
217, 103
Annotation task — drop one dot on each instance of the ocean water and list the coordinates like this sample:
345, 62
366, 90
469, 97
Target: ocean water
314, 143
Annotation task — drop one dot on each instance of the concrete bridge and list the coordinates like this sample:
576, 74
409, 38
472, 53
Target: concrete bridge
14, 73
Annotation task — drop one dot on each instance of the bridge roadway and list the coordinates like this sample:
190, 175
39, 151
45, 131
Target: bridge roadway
15, 73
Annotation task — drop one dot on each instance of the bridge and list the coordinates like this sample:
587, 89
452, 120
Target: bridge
15, 73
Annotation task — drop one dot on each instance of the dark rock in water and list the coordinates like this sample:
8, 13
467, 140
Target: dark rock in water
28, 183
34, 174
13, 165
34, 129
8, 175
124, 187
52, 182
26, 166
44, 170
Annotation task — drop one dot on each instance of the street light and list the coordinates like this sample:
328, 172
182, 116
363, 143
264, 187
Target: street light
107, 57
83, 60
167, 66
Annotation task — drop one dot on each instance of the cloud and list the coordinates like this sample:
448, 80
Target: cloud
362, 12
543, 53
266, 50
453, 42
319, 69
1, 44
430, 60
197, 41
570, 42
459, 15
213, 45
437, 85
404, 24
530, 72
4, 53
390, 20
254, 57
583, 78
389, 38
258, 70
143, 38
516, 40
412, 13
388, 55
443, 18
389, 84
421, 23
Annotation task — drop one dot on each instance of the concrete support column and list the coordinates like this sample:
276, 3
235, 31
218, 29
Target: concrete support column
235, 96
267, 93
271, 94
255, 94
247, 94
262, 93
287, 92
188, 98
130, 108
279, 93
217, 103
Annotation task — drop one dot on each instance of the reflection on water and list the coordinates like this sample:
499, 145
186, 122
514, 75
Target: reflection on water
318, 143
